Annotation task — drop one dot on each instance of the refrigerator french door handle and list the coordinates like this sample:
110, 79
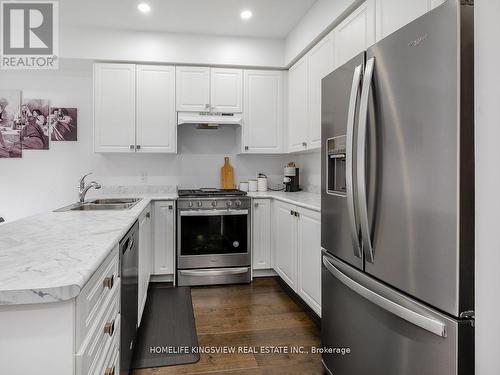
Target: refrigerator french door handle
356, 82
431, 325
361, 161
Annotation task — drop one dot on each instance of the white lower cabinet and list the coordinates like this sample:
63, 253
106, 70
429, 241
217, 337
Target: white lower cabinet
297, 250
309, 258
261, 234
285, 242
163, 237
145, 258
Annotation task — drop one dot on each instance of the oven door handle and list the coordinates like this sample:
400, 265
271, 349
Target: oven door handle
215, 272
213, 212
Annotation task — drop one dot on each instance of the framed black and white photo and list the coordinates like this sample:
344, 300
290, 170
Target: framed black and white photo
63, 124
10, 124
35, 124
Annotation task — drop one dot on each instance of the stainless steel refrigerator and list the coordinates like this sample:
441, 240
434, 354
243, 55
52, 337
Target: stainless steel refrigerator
397, 205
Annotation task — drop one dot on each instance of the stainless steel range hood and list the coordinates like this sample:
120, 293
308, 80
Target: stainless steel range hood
209, 118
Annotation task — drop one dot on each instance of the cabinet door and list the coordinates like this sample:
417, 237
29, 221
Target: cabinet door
356, 33
226, 88
285, 232
156, 115
164, 238
114, 107
192, 88
261, 238
394, 14
321, 63
263, 115
145, 259
298, 117
309, 258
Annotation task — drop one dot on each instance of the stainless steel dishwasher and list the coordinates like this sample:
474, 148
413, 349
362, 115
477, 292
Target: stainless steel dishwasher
129, 266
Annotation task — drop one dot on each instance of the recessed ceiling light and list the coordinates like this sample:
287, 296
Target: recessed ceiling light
246, 14
144, 7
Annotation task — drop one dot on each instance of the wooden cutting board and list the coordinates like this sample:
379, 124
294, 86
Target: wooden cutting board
227, 175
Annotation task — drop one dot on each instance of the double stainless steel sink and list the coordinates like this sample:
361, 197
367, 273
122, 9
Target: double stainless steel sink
109, 204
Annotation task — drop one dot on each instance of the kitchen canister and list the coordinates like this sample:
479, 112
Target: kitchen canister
262, 182
252, 185
244, 186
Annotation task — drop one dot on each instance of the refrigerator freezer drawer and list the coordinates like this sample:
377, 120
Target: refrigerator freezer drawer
386, 332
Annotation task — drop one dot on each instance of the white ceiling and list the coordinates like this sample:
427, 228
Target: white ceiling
271, 18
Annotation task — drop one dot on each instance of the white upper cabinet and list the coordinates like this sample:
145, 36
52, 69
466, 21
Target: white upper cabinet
298, 106
226, 88
193, 88
263, 114
355, 33
156, 117
134, 108
203, 89
321, 63
394, 14
114, 108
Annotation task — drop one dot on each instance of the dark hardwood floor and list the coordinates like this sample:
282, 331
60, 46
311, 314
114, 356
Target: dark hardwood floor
254, 315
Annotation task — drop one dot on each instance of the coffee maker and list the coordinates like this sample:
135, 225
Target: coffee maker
291, 179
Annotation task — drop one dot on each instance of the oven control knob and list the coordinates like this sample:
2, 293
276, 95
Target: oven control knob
214, 203
199, 203
238, 203
190, 204
229, 203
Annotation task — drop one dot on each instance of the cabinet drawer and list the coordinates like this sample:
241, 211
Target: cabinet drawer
103, 334
89, 303
111, 363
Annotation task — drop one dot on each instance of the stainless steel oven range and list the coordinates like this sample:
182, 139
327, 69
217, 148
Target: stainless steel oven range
213, 237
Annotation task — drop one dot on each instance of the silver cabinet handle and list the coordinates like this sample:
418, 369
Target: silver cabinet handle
256, 205
213, 212
354, 229
361, 161
109, 282
170, 207
304, 144
207, 106
215, 272
428, 323
132, 147
246, 148
138, 147
148, 214
109, 328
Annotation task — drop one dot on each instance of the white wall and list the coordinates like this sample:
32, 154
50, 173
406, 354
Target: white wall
310, 170
487, 187
126, 45
44, 180
320, 17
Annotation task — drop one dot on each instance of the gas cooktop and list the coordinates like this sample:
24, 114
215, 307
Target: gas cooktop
209, 192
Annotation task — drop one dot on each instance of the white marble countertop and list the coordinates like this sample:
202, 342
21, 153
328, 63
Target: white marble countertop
311, 201
49, 257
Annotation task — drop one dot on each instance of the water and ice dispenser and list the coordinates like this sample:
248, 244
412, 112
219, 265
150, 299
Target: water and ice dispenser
336, 165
